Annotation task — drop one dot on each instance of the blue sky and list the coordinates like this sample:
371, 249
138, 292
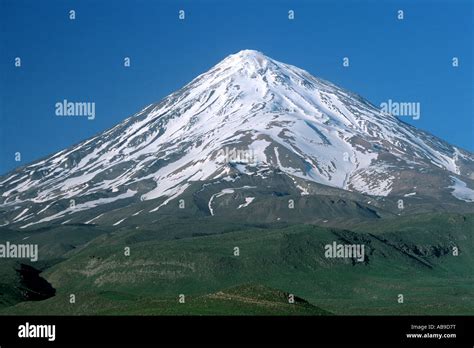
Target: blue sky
82, 60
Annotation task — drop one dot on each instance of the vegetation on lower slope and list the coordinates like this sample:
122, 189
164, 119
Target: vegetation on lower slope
410, 256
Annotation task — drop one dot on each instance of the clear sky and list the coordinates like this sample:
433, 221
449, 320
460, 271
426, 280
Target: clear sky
407, 60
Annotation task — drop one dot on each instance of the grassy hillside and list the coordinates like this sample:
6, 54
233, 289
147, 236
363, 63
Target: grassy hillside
242, 300
407, 255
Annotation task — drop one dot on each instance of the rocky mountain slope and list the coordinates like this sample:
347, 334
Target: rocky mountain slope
241, 126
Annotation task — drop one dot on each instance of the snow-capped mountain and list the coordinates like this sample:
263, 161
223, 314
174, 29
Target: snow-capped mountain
249, 115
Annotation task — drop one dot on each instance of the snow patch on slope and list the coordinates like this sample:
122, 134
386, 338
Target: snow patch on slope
461, 191
248, 200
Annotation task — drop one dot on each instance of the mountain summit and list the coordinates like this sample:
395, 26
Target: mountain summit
249, 119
